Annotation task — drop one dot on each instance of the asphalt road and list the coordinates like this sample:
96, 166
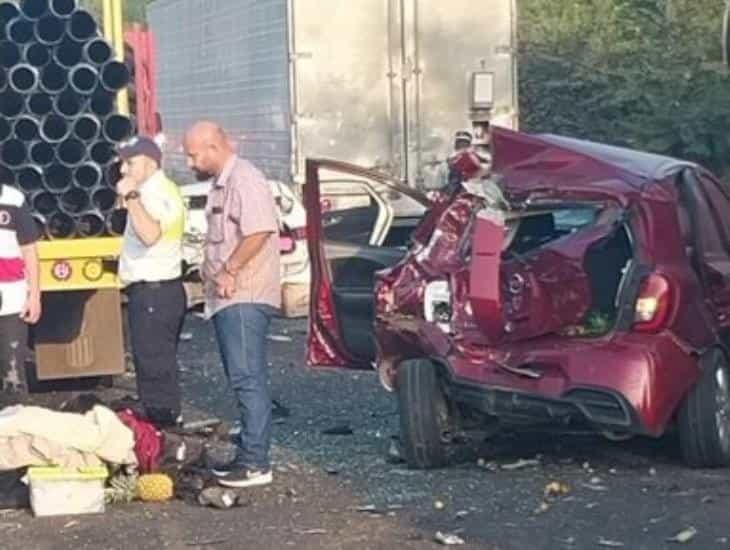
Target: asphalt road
341, 491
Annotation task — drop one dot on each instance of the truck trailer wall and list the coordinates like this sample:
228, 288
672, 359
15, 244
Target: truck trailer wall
375, 82
227, 61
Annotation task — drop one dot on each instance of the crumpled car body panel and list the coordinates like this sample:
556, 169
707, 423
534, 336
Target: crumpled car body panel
511, 347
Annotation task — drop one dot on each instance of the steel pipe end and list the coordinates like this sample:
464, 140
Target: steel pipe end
62, 8
23, 78
33, 9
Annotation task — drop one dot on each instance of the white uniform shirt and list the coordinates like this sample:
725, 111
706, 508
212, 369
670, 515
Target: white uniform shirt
162, 261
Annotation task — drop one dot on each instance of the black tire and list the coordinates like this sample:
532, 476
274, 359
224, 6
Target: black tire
704, 419
424, 414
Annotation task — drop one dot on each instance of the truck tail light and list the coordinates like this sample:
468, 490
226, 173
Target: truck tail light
654, 304
61, 270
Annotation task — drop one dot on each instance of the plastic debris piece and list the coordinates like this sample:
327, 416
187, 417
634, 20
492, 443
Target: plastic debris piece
218, 497
685, 535
556, 489
448, 539
610, 543
521, 463
278, 338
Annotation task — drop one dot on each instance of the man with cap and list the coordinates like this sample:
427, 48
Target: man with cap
150, 266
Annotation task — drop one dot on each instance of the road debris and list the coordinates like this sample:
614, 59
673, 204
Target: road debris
278, 338
218, 497
393, 454
369, 509
609, 543
597, 488
186, 336
340, 429
542, 508
439, 504
520, 464
206, 542
685, 535
556, 489
311, 531
448, 539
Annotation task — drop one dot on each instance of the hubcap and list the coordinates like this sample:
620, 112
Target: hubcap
722, 407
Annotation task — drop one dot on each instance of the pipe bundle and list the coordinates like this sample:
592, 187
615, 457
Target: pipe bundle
58, 125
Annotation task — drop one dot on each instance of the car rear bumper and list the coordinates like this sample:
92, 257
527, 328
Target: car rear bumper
626, 382
629, 382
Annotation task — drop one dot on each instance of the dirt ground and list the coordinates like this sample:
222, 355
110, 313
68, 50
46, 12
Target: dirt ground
342, 491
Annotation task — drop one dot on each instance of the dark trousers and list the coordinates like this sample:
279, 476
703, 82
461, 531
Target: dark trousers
13, 345
156, 312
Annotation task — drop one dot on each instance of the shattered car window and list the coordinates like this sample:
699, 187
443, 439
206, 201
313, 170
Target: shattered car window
535, 229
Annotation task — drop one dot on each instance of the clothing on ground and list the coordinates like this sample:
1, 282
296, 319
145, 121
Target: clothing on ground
35, 436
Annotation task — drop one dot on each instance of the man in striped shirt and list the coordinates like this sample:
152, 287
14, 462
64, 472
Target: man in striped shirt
20, 295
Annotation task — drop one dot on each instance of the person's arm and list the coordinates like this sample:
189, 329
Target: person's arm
255, 211
145, 226
247, 248
32, 310
27, 234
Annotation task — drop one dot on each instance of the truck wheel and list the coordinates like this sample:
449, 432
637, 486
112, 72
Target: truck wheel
704, 419
424, 414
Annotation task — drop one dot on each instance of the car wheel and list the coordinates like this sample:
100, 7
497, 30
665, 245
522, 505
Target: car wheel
704, 419
424, 414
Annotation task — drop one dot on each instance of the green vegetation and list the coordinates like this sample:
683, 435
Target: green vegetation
639, 73
134, 10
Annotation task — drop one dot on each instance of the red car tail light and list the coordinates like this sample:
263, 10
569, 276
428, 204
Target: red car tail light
653, 305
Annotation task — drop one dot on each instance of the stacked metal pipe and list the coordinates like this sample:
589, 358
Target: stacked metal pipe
58, 126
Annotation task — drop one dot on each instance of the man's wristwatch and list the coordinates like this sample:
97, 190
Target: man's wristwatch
131, 195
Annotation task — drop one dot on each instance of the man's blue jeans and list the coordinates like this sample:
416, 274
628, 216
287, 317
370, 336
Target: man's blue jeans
241, 331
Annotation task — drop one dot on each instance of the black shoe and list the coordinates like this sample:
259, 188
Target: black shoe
242, 477
163, 418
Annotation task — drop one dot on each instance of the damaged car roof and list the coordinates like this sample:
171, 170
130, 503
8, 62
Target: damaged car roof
583, 160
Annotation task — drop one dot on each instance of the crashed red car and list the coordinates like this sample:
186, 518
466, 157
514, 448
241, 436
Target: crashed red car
578, 284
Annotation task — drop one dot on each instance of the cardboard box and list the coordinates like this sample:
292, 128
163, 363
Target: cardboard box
295, 300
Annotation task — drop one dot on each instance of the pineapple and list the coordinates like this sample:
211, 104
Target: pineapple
154, 487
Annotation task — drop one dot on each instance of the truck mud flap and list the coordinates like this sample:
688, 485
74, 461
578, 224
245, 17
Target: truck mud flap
79, 335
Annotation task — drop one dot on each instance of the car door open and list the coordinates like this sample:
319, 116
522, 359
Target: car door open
347, 222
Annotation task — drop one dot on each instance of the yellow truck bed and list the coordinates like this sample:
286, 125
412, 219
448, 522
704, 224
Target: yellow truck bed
79, 264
